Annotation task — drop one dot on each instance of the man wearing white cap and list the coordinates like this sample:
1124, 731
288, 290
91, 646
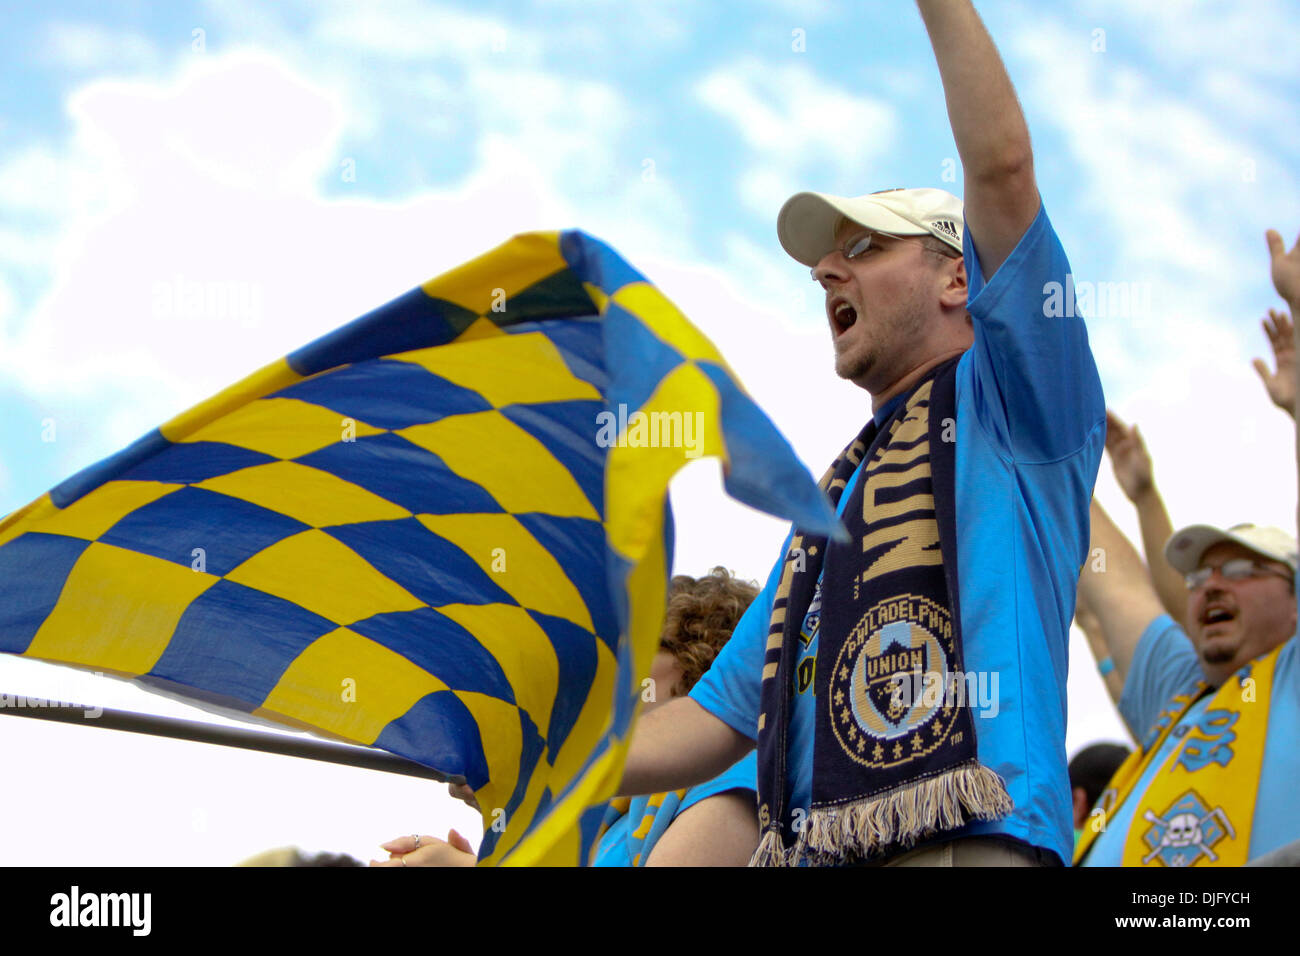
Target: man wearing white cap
1213, 781
905, 687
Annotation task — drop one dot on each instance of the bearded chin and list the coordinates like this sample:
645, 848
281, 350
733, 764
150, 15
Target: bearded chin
1218, 654
852, 369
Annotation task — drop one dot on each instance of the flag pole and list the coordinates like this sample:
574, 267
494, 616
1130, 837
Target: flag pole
200, 732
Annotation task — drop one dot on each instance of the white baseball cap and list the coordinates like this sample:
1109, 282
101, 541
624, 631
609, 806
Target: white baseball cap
1186, 548
806, 223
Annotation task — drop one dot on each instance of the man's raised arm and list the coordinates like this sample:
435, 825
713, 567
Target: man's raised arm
1001, 195
1132, 463
1115, 587
1286, 280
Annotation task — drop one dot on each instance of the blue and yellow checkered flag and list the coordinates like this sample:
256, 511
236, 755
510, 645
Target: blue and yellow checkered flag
441, 530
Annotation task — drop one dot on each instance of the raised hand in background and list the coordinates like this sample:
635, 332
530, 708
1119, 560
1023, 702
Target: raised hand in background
1281, 382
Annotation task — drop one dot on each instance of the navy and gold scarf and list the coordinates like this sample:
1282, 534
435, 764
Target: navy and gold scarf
894, 756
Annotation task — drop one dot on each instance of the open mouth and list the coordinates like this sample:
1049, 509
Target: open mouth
843, 316
1216, 614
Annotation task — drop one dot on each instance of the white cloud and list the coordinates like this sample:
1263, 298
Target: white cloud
159, 182
419, 31
1184, 35
563, 124
1238, 98
1165, 195
8, 306
211, 180
762, 189
796, 122
790, 111
1164, 201
802, 10
35, 180
1147, 157
524, 104
86, 46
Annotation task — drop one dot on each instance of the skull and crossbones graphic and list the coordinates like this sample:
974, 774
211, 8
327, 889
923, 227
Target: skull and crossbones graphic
1186, 829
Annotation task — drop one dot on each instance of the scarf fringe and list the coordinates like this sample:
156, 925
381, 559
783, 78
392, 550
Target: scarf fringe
898, 817
770, 852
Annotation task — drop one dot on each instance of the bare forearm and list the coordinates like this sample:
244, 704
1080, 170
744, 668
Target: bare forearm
1157, 529
1294, 306
987, 123
1285, 269
679, 745
1001, 197
1101, 651
1115, 586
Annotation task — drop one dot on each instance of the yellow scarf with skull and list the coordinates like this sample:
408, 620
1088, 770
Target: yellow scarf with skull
1200, 805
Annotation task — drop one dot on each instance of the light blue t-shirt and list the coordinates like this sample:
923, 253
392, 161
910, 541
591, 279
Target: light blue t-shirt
1164, 665
630, 838
1031, 424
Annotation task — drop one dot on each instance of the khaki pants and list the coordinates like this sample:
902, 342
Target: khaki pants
969, 851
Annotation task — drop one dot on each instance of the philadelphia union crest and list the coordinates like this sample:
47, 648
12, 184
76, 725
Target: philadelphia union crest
888, 700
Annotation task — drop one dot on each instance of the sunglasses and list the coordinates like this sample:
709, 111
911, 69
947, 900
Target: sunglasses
1236, 570
857, 247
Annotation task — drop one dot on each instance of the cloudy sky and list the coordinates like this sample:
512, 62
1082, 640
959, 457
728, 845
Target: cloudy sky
300, 163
